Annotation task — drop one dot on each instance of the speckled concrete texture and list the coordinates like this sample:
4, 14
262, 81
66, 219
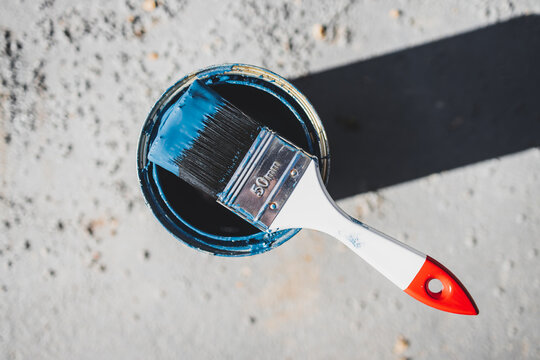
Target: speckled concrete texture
448, 107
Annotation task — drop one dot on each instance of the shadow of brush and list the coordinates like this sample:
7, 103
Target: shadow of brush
430, 108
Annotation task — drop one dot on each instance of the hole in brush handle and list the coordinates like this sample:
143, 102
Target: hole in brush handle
452, 297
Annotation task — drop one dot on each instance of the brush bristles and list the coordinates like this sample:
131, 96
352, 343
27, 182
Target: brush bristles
204, 139
217, 151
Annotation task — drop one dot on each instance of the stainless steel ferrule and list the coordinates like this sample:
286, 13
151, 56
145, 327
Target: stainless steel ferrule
264, 179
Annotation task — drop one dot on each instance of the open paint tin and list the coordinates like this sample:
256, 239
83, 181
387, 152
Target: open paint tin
193, 217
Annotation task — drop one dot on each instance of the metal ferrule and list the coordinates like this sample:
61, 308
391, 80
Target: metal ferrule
264, 179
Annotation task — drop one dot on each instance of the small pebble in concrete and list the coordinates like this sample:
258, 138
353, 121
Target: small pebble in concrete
319, 31
401, 345
456, 122
149, 5
471, 241
395, 13
521, 218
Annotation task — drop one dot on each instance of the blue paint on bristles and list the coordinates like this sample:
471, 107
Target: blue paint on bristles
202, 138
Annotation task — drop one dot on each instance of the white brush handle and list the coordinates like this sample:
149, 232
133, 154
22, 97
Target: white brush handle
310, 206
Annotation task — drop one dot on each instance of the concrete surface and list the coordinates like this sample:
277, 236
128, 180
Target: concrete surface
86, 272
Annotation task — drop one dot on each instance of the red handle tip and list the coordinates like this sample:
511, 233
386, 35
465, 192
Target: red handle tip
452, 298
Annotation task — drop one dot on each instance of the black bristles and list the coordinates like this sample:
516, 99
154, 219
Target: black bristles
221, 136
218, 150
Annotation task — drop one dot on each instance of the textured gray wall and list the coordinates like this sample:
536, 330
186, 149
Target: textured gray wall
86, 272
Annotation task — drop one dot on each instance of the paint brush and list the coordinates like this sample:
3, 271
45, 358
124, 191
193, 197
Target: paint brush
274, 185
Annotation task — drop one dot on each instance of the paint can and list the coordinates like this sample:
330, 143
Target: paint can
193, 217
